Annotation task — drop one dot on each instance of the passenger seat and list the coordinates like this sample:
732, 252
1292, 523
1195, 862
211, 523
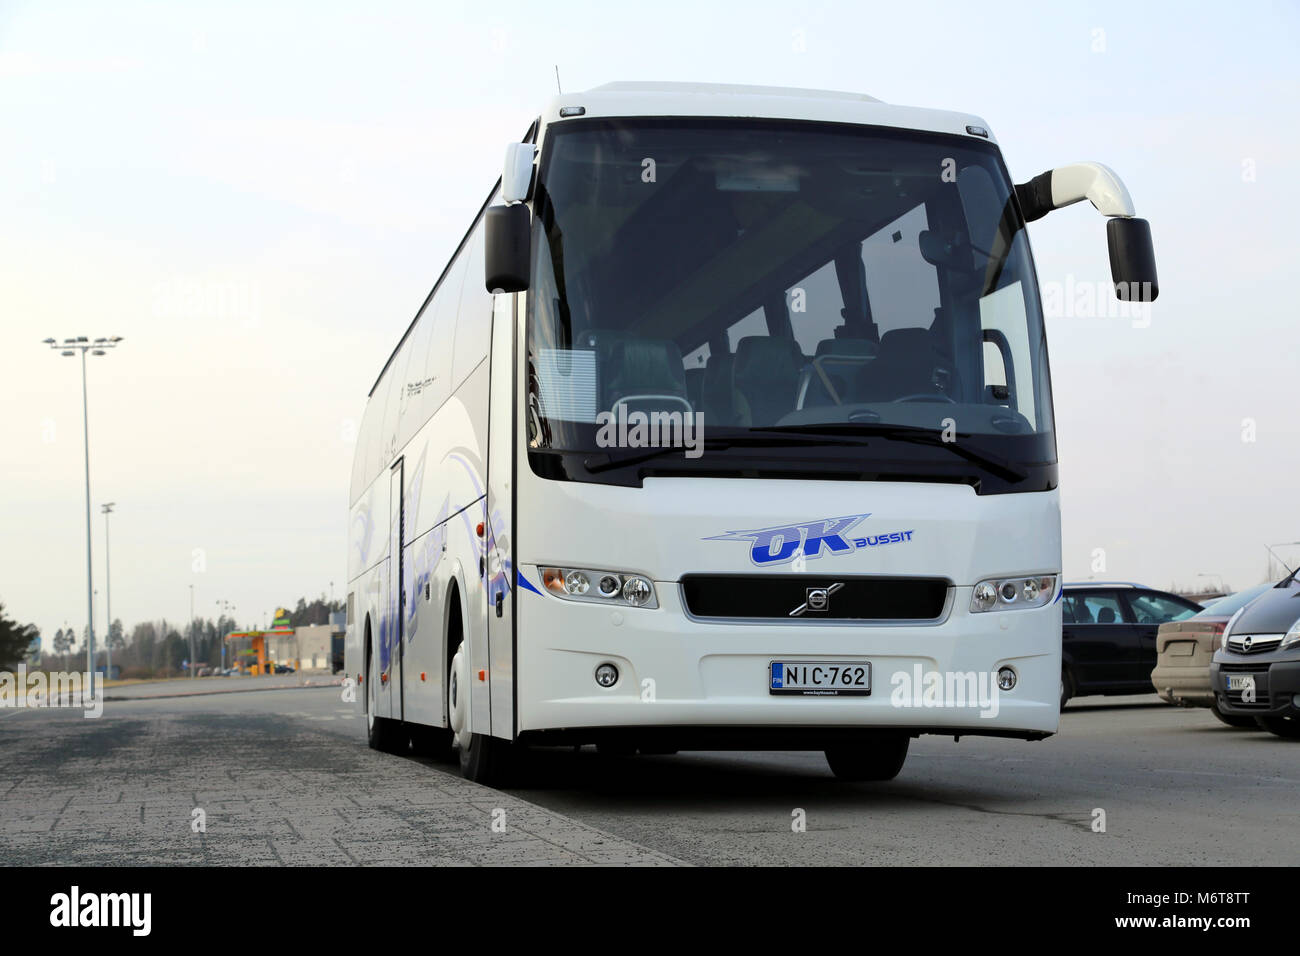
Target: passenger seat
721, 403
767, 375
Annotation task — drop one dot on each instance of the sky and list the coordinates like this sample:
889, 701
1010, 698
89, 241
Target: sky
257, 198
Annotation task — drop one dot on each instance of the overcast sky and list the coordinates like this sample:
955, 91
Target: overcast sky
258, 197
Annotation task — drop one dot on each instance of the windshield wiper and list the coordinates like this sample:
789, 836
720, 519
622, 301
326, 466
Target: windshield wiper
605, 461
907, 433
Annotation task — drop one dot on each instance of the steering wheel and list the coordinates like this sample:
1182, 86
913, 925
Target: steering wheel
926, 397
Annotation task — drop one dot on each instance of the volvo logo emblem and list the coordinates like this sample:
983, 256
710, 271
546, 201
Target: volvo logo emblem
817, 599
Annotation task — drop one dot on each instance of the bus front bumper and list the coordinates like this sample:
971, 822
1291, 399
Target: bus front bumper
684, 679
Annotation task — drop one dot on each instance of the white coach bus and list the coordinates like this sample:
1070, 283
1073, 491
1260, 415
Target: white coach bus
728, 425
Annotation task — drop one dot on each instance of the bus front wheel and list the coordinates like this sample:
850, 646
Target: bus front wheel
879, 759
484, 759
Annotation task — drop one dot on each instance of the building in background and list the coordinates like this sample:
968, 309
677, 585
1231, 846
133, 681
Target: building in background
314, 648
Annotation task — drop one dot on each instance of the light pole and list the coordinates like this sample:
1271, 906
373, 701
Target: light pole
193, 663
1273, 554
107, 509
227, 610
69, 348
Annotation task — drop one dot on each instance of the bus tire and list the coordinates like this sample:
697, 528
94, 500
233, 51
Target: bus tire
382, 733
484, 759
433, 742
489, 761
879, 759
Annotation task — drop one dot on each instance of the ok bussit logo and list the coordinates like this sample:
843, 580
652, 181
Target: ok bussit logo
782, 544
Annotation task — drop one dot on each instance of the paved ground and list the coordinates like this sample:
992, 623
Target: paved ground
215, 685
282, 777
285, 776
1176, 786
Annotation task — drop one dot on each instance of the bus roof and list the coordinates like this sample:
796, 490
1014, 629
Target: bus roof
769, 102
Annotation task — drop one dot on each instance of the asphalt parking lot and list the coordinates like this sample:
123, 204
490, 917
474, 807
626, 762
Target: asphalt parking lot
284, 776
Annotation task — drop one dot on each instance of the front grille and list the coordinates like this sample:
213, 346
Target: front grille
804, 597
1261, 701
1258, 645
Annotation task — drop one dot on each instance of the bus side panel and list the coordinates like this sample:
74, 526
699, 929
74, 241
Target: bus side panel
368, 539
499, 570
467, 548
445, 488
444, 492
426, 629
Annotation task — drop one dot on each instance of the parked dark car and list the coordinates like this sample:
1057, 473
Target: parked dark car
1108, 640
1256, 671
283, 669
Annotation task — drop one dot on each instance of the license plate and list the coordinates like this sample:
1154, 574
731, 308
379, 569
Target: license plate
820, 678
1241, 681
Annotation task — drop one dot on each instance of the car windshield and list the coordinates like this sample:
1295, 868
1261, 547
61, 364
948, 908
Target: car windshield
1230, 604
804, 277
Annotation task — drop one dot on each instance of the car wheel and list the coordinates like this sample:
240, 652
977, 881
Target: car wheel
1067, 686
484, 759
1282, 726
879, 759
1232, 720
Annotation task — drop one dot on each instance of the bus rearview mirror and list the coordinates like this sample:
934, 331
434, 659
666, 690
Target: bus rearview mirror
507, 230
1132, 259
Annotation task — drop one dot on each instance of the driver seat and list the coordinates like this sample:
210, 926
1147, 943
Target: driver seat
907, 364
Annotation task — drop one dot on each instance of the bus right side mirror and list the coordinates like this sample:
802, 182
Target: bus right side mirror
508, 232
1132, 259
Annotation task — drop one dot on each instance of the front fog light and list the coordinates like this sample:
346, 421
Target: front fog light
985, 597
609, 585
637, 591
606, 675
1029, 590
1006, 678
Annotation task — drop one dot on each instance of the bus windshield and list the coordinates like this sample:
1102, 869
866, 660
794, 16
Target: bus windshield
772, 279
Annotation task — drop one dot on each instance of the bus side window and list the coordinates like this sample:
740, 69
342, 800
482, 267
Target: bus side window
474, 318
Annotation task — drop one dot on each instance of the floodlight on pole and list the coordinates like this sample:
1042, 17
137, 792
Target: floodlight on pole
70, 347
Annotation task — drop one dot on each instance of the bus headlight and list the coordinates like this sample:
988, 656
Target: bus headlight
985, 596
1005, 594
615, 588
